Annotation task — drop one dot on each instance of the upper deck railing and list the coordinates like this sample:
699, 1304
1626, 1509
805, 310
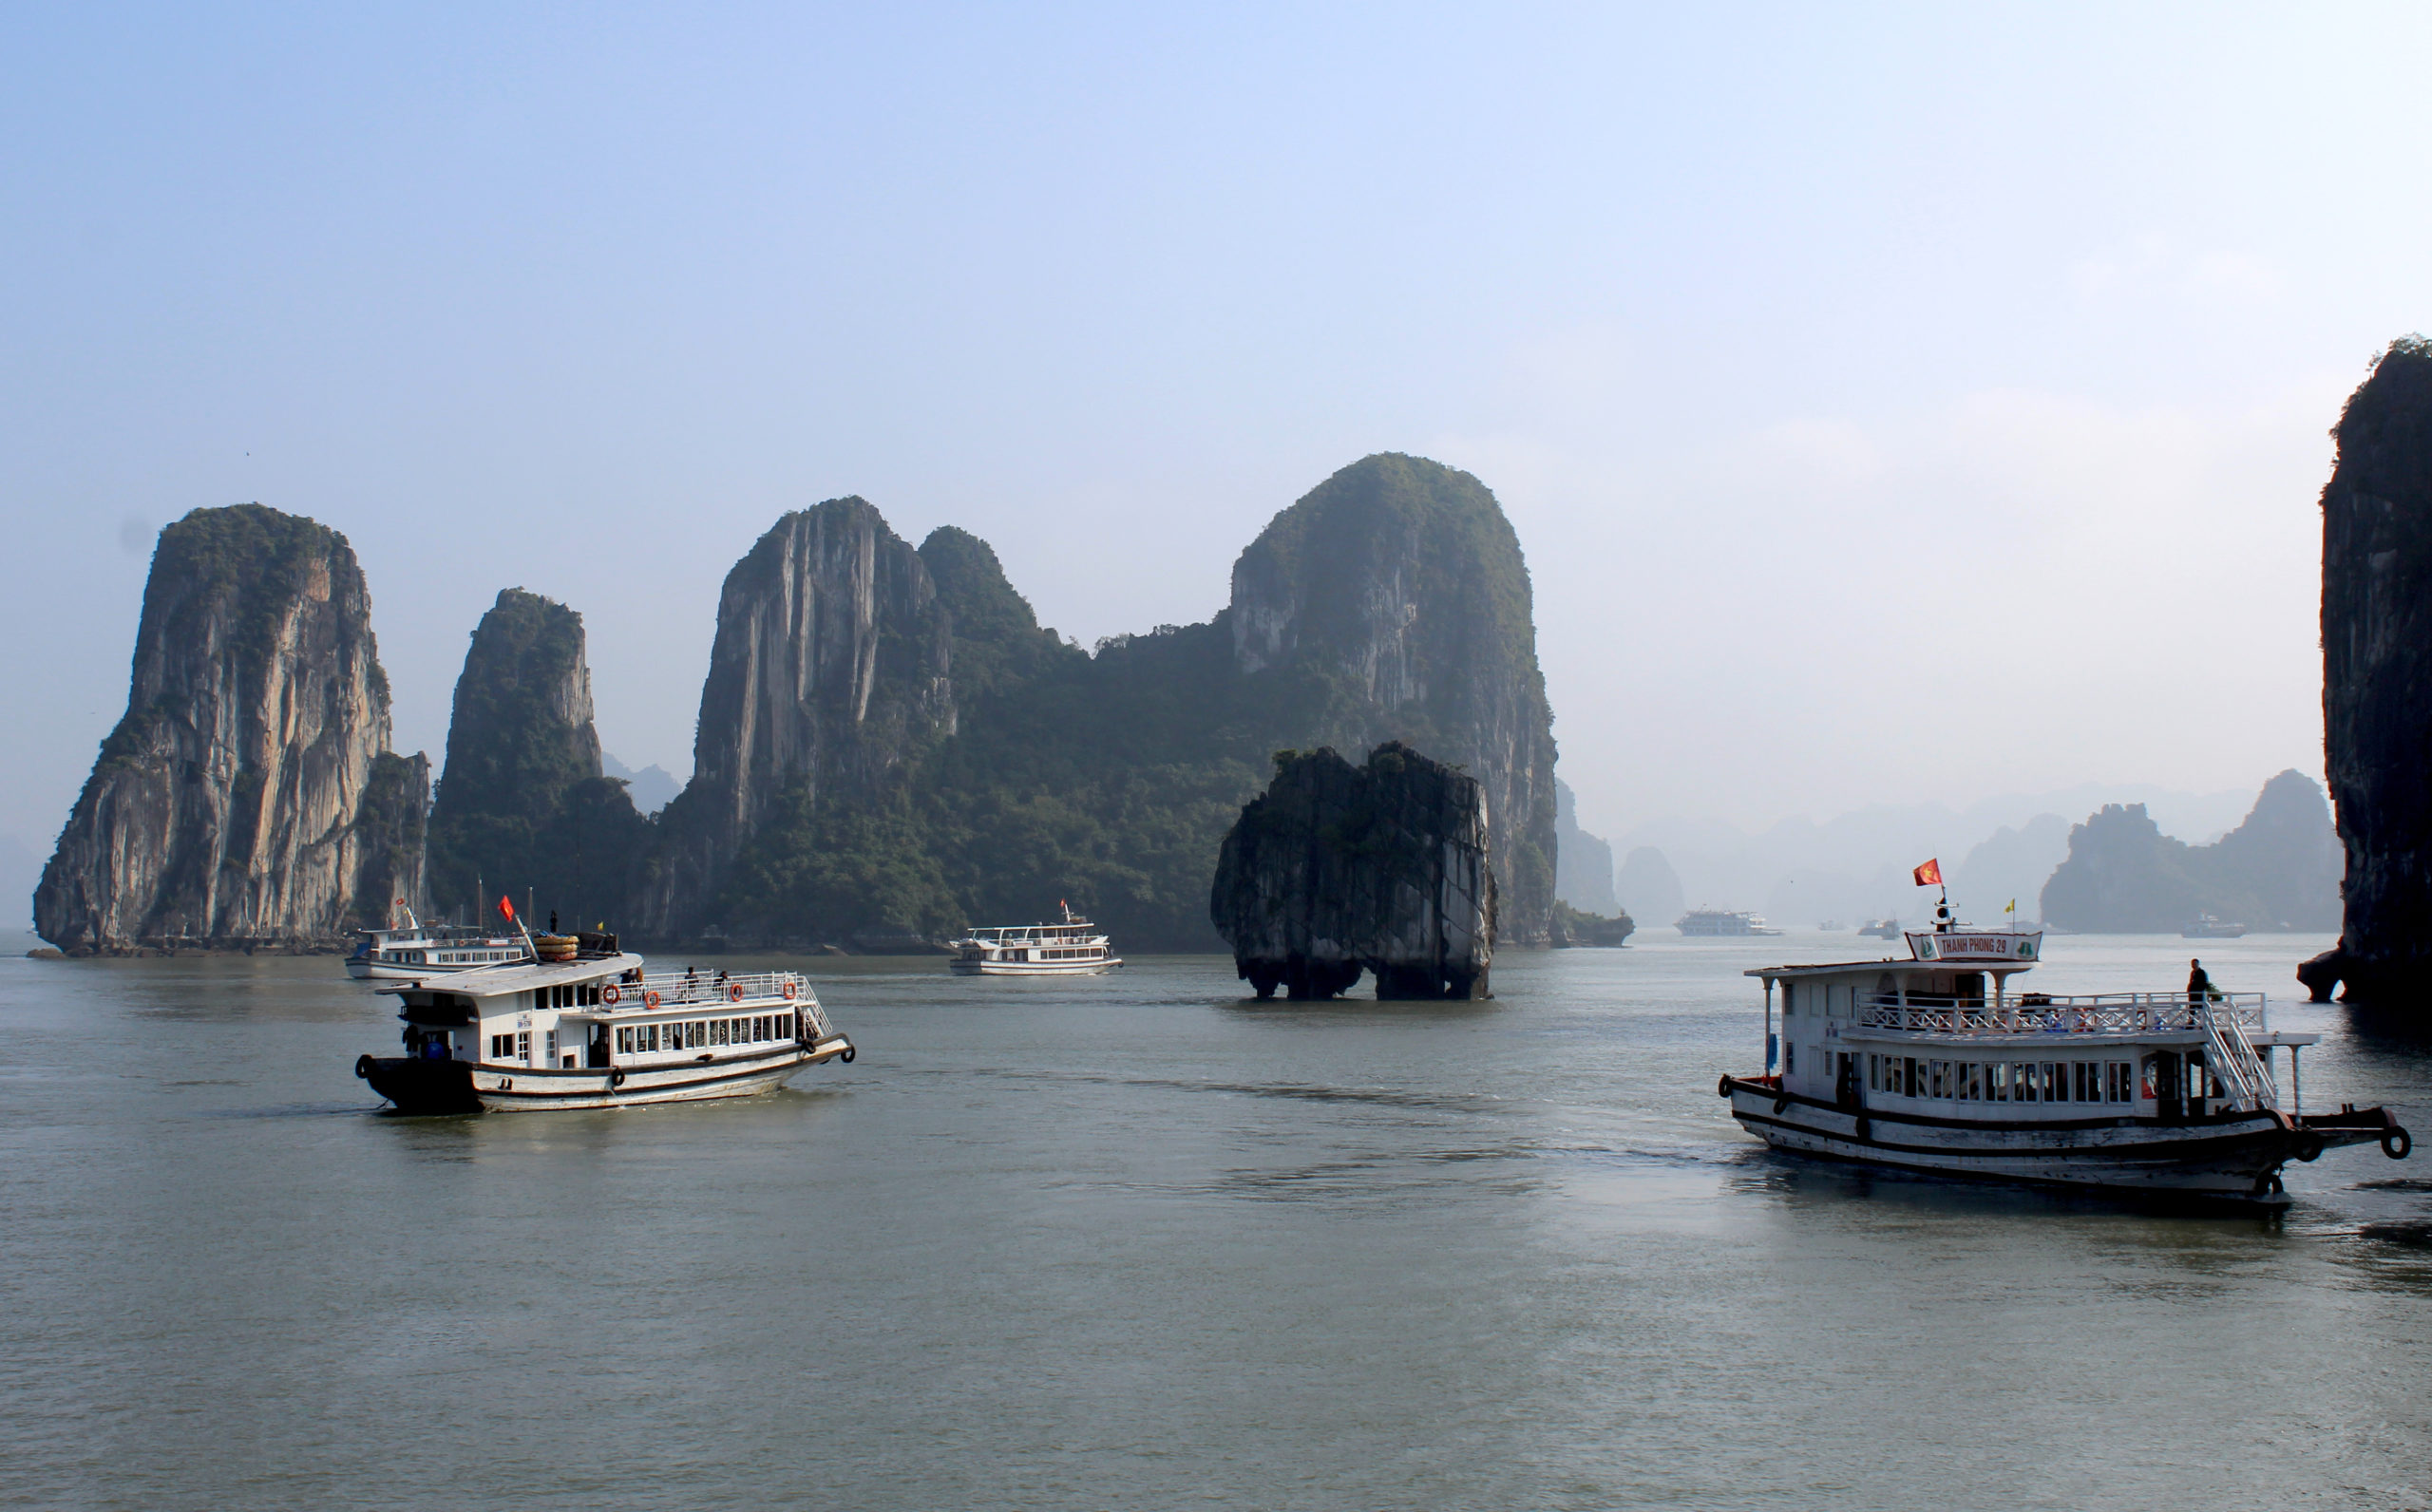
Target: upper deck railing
2041, 1013
710, 993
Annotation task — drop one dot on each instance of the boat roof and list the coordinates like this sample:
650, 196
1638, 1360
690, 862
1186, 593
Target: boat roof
520, 977
1889, 963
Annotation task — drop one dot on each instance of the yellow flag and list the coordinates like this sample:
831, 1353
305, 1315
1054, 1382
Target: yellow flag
2013, 908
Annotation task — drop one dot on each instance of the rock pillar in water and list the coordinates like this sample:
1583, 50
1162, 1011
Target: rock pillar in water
1339, 869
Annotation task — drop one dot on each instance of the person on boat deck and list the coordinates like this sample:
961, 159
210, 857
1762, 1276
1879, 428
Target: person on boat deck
692, 982
2199, 986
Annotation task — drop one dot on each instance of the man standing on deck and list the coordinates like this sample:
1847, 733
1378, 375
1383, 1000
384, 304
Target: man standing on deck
2199, 986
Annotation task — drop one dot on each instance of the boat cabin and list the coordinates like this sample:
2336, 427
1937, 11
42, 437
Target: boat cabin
600, 1013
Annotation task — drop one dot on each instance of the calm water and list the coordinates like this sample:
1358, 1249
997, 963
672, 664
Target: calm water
1136, 1242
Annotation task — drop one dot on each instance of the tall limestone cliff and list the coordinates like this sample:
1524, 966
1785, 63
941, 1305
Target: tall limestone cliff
2376, 673
1401, 584
828, 676
1337, 869
523, 809
891, 746
248, 797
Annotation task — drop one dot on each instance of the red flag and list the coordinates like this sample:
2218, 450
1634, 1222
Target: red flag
1929, 875
505, 908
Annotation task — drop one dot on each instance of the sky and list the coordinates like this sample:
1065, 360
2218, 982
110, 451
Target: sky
1895, 404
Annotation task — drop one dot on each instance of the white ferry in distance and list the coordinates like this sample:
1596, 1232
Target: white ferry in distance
418, 950
1933, 1063
1715, 921
598, 1031
1073, 947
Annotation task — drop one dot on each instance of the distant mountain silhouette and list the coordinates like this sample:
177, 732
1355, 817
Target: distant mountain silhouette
2277, 871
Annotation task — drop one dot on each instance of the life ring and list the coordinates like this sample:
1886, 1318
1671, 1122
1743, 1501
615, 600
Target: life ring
616, 1079
2396, 1142
734, 992
2308, 1147
363, 1069
650, 1000
612, 995
1722, 1087
789, 991
847, 1055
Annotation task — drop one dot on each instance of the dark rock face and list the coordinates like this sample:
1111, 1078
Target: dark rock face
2377, 671
2276, 871
1383, 867
246, 800
1399, 581
828, 674
523, 809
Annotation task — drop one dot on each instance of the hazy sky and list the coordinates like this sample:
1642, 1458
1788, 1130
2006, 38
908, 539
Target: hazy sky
1894, 405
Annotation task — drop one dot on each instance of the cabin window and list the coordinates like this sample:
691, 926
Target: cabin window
501, 1047
523, 1044
553, 1045
2118, 1082
1938, 1082
626, 1041
1969, 1083
1789, 1058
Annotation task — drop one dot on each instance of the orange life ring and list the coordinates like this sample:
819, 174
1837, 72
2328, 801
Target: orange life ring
789, 991
734, 992
650, 1000
610, 995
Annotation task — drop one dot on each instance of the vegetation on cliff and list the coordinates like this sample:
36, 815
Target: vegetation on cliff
1036, 771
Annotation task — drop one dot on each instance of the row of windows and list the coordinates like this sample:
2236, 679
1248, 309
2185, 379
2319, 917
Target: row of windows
2006, 1081
573, 995
515, 1046
703, 1033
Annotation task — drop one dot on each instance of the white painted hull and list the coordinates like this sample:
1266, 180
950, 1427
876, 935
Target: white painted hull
489, 1087
2226, 1157
962, 968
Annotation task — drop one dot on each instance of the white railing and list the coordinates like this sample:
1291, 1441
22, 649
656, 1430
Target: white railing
2037, 1014
711, 993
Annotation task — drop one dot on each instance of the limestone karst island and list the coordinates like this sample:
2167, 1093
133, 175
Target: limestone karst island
889, 747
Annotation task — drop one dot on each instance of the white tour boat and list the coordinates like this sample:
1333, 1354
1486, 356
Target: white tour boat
599, 1030
1073, 948
1715, 921
418, 950
1933, 1064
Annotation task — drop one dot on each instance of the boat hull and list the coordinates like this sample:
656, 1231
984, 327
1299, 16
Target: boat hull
2230, 1157
963, 968
473, 1087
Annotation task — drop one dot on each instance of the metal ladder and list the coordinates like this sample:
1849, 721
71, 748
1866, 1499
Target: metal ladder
2228, 1056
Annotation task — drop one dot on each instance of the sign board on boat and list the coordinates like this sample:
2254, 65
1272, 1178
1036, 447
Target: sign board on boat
1971, 946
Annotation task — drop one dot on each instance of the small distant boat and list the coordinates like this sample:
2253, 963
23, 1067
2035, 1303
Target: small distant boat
1881, 928
1073, 947
1831, 926
415, 949
1709, 922
2207, 927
